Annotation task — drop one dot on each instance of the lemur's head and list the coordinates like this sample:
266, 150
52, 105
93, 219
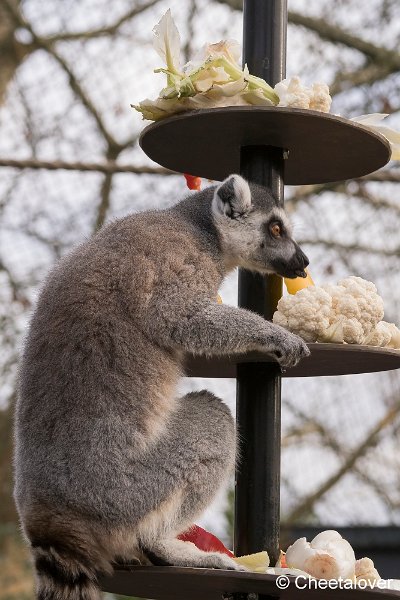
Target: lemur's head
255, 232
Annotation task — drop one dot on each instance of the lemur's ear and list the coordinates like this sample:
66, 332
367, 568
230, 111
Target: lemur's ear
232, 197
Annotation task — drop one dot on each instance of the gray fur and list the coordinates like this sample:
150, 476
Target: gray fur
109, 462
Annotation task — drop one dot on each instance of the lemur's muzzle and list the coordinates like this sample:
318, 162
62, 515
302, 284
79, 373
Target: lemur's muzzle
292, 263
294, 267
300, 262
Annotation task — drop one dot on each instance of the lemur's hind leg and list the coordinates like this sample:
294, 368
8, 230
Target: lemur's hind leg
199, 454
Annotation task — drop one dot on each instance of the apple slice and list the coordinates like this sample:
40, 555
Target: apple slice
204, 540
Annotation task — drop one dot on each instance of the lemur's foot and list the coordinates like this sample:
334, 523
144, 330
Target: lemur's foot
217, 560
125, 564
178, 553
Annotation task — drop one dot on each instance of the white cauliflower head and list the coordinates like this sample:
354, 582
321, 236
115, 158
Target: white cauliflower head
328, 556
347, 312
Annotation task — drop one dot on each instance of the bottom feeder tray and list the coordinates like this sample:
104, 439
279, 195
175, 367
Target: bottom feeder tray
325, 359
171, 583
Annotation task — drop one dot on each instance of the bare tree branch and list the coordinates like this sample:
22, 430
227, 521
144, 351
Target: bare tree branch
12, 52
105, 195
74, 83
235, 4
336, 35
87, 103
307, 192
313, 425
16, 289
350, 247
376, 202
369, 441
332, 33
384, 61
187, 49
366, 76
104, 167
103, 31
388, 175
298, 433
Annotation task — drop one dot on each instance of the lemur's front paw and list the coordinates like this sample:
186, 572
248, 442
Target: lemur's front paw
290, 349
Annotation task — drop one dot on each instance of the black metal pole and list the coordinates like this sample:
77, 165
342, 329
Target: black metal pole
257, 498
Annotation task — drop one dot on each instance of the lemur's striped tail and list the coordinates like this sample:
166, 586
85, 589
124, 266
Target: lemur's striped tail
62, 574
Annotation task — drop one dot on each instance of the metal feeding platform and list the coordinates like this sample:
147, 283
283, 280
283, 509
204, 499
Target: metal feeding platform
268, 146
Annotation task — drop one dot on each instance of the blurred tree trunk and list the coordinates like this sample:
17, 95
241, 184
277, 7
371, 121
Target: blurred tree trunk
12, 52
7, 508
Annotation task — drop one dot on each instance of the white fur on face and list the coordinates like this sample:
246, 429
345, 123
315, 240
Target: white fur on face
241, 238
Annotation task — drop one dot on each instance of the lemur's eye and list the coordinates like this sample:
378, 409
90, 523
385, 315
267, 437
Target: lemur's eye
275, 229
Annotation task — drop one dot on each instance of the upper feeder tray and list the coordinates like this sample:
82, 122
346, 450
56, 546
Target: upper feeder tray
321, 147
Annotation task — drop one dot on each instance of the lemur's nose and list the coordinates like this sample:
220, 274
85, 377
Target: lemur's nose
302, 258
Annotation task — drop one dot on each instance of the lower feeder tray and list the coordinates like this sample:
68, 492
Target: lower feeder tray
171, 583
325, 359
318, 147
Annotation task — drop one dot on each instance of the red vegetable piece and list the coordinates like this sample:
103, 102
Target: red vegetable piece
204, 540
193, 182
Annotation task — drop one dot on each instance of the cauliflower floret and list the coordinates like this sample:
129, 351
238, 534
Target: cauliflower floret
365, 571
385, 335
347, 312
380, 336
342, 330
395, 335
295, 95
356, 310
291, 93
305, 313
320, 97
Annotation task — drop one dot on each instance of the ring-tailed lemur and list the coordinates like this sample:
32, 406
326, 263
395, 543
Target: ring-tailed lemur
110, 463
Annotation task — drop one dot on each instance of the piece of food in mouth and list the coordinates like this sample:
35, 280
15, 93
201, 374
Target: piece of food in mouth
294, 285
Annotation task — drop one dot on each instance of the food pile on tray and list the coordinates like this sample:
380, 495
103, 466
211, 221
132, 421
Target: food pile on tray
328, 557
214, 79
